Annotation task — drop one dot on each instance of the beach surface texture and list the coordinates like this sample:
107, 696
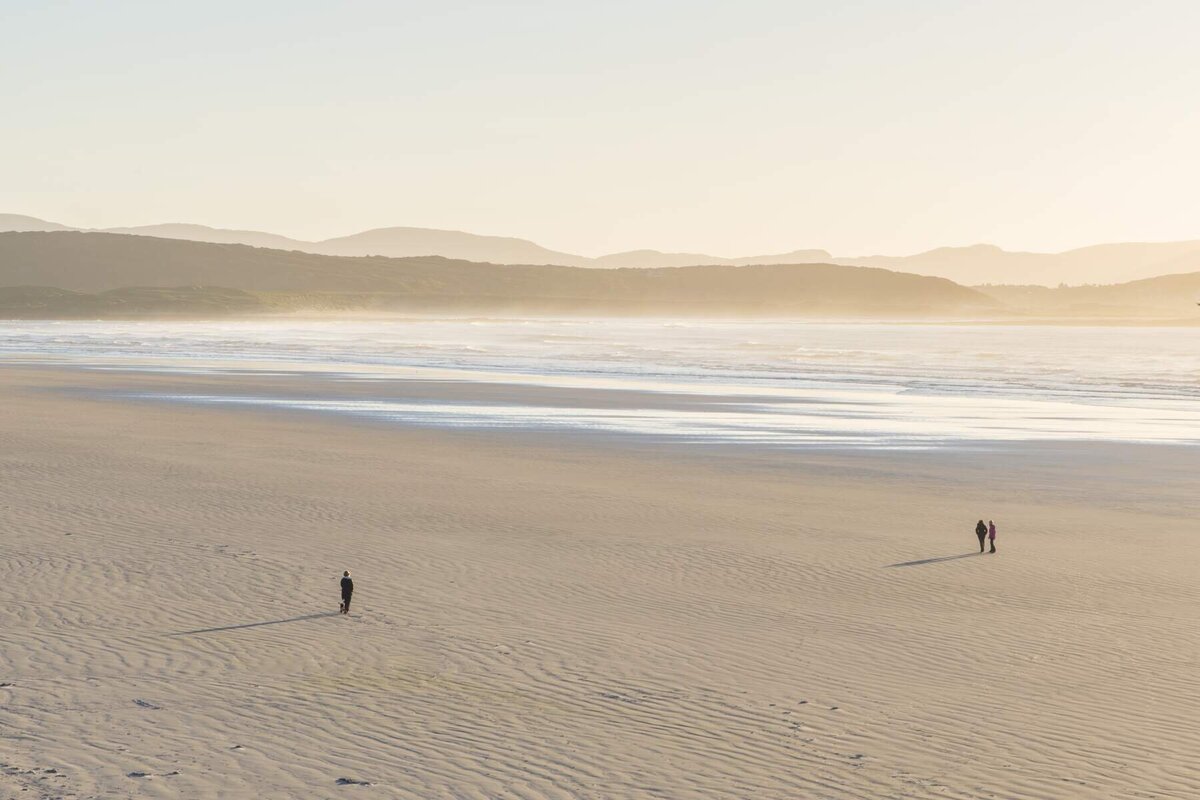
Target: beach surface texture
546, 615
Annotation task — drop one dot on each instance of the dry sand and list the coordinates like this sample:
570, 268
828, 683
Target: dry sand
563, 617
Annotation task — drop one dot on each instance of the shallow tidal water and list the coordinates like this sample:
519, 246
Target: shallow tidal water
762, 382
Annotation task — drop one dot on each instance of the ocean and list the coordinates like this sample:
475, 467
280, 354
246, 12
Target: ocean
771, 383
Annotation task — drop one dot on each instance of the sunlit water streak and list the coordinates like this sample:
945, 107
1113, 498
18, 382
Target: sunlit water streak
768, 383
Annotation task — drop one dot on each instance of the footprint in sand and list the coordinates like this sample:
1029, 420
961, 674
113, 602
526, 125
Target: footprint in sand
351, 782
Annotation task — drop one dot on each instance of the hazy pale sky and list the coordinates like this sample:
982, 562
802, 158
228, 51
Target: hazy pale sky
731, 128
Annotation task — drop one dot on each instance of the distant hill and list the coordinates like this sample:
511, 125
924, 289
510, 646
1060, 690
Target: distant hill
20, 222
42, 302
654, 258
396, 242
1163, 297
102, 262
404, 242
1131, 261
981, 263
1104, 264
974, 265
203, 233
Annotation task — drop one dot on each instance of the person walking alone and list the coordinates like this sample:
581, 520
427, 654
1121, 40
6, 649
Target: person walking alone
347, 591
981, 531
992, 535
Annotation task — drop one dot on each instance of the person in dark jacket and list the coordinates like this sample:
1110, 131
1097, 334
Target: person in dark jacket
347, 590
980, 531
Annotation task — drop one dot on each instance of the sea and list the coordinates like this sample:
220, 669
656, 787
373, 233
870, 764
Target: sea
766, 383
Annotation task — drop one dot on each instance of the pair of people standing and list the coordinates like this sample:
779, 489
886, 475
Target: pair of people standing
986, 532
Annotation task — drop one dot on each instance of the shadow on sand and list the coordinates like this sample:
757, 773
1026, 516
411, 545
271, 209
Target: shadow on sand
937, 560
256, 624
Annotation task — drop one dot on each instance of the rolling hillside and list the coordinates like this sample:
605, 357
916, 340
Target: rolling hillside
977, 264
99, 262
1166, 296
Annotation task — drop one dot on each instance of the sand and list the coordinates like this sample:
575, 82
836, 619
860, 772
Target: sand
561, 617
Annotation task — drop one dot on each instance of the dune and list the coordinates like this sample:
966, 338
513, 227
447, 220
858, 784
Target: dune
552, 617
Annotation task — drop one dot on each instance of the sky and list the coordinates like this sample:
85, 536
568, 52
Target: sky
728, 128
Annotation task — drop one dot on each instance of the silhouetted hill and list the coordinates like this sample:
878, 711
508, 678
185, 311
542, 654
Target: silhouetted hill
1130, 261
967, 264
398, 242
654, 258
42, 302
20, 222
1103, 264
793, 257
978, 264
1166, 296
405, 242
98, 262
203, 233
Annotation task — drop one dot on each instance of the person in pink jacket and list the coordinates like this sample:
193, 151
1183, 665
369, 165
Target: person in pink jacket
992, 535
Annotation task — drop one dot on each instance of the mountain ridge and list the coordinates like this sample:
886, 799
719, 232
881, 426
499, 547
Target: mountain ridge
94, 262
972, 265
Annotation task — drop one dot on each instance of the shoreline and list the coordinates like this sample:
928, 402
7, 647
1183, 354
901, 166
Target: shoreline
1017, 319
853, 412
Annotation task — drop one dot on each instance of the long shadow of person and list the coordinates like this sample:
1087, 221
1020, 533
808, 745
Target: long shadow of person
936, 560
256, 624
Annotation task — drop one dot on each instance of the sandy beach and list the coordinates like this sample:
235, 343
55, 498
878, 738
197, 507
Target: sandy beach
556, 616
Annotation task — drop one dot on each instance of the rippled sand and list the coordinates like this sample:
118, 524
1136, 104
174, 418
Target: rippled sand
554, 616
